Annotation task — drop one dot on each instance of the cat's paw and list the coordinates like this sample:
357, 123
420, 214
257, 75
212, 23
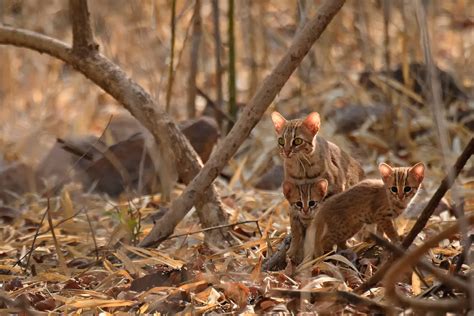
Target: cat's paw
290, 268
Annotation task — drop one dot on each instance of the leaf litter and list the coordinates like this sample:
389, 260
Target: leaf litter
106, 273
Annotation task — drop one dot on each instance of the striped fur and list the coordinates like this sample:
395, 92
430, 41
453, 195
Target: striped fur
369, 202
308, 157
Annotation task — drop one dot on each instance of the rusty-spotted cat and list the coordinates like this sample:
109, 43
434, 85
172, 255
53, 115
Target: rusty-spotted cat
371, 201
307, 156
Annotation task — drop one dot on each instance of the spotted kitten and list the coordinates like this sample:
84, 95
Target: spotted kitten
304, 199
308, 156
369, 202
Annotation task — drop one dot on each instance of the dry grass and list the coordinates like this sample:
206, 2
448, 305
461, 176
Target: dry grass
42, 99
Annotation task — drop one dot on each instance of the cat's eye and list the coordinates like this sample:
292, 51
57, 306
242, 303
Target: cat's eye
297, 141
299, 204
406, 189
281, 141
312, 203
394, 189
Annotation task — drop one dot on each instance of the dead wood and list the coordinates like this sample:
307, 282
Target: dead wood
138, 102
450, 281
250, 116
425, 215
277, 261
410, 259
83, 38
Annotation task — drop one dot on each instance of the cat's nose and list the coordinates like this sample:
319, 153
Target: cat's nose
400, 195
287, 151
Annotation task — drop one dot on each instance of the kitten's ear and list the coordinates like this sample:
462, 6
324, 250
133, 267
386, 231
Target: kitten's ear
312, 122
278, 121
322, 187
385, 171
417, 171
287, 186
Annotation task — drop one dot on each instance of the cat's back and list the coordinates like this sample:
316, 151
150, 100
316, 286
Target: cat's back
349, 166
355, 199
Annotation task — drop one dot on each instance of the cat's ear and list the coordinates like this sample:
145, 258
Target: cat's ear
278, 121
417, 171
322, 187
312, 122
287, 187
385, 171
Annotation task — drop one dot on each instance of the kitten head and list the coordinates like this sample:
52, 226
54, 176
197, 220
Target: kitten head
296, 136
304, 199
402, 183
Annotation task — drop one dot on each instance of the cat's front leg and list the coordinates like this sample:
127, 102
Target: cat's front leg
387, 226
297, 240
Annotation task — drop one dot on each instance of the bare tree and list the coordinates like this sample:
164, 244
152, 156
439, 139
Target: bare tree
85, 57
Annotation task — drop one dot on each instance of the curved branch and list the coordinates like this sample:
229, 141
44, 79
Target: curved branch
410, 259
250, 116
139, 103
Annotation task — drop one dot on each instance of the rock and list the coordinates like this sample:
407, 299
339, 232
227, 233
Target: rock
418, 73
351, 117
203, 134
119, 167
272, 179
17, 179
112, 169
58, 165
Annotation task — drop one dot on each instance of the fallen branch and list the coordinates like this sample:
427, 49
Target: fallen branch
278, 260
410, 259
445, 185
249, 117
334, 296
446, 279
113, 80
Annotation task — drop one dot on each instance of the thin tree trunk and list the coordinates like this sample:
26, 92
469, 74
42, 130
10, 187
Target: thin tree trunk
169, 89
194, 59
217, 53
232, 107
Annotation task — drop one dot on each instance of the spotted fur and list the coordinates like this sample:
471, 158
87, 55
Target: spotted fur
308, 157
304, 201
369, 202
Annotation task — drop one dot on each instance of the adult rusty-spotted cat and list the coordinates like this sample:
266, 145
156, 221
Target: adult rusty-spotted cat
368, 202
308, 156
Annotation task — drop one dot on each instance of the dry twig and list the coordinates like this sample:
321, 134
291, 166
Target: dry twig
410, 259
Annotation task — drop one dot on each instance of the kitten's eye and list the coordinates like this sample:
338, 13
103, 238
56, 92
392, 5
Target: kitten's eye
406, 189
297, 141
312, 203
394, 189
281, 141
299, 204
